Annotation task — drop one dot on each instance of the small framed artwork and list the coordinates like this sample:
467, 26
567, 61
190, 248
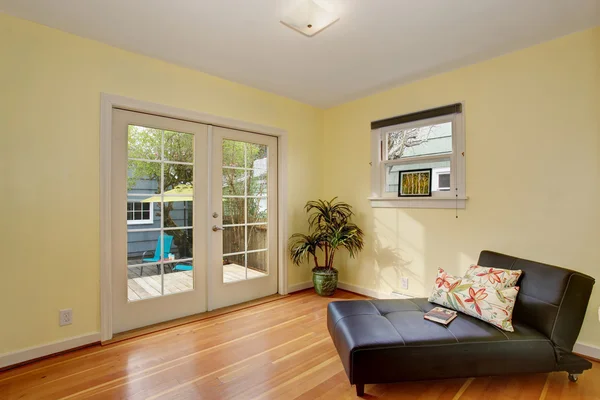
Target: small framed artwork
414, 183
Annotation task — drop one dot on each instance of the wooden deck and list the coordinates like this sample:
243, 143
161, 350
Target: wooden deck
278, 350
234, 273
146, 286
149, 286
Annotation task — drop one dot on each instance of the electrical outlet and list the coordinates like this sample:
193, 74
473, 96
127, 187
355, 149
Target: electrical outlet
65, 317
404, 283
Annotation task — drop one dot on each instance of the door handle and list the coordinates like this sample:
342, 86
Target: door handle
217, 228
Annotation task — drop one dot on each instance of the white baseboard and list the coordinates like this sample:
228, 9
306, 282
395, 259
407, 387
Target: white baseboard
360, 290
587, 350
374, 293
300, 286
32, 353
355, 289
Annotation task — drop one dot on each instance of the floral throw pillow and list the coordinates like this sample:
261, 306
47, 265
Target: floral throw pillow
487, 303
497, 277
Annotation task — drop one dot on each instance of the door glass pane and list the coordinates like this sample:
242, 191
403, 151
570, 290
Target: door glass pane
234, 182
256, 156
257, 182
257, 264
234, 239
234, 153
257, 237
178, 213
141, 247
179, 147
234, 268
142, 214
245, 175
143, 143
159, 223
182, 247
422, 141
257, 209
143, 178
233, 211
178, 177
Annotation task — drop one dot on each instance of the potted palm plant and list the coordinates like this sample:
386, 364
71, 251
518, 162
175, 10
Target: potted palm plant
330, 230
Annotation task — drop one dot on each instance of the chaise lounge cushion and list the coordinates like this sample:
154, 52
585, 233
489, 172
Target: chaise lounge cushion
384, 339
497, 277
487, 303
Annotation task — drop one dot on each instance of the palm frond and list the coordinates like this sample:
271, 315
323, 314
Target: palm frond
323, 213
302, 247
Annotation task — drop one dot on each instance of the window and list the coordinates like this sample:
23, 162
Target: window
428, 139
442, 182
139, 213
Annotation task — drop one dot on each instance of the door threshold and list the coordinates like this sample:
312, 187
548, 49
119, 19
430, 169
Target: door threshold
191, 318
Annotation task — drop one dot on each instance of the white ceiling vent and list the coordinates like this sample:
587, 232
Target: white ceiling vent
309, 18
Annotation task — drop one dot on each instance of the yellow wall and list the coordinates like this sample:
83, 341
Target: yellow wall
532, 120
50, 85
533, 146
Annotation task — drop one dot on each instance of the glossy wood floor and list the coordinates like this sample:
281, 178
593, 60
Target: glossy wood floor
278, 350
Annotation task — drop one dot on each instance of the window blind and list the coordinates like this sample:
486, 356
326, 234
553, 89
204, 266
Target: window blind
417, 116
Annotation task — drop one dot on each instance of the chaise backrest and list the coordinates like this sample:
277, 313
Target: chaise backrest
551, 299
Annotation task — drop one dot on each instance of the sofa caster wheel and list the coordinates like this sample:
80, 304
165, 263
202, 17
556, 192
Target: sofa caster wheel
573, 377
360, 389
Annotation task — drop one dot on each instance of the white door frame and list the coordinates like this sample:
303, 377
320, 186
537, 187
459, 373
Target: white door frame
110, 101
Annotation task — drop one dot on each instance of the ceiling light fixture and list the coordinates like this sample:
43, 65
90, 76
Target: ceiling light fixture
309, 18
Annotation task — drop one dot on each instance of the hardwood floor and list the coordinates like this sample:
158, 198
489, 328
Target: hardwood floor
277, 350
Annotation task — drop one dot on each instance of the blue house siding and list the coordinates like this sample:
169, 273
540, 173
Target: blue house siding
138, 242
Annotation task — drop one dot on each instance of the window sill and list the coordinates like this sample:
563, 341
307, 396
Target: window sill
418, 202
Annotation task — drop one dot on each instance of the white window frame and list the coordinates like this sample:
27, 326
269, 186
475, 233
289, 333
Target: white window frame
142, 221
454, 198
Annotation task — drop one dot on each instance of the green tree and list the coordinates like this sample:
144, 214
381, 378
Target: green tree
147, 144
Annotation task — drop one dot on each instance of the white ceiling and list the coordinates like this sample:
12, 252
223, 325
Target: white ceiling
375, 45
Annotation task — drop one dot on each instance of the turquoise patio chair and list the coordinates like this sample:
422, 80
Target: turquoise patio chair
168, 241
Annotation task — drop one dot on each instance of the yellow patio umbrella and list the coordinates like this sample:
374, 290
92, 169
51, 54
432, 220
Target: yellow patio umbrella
183, 192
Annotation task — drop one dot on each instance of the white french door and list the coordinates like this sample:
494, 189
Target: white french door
159, 211
244, 217
193, 218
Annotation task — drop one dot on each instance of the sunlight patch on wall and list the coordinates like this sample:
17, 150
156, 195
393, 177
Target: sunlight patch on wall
398, 251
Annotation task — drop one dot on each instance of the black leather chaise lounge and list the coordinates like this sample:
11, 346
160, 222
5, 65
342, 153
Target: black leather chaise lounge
384, 341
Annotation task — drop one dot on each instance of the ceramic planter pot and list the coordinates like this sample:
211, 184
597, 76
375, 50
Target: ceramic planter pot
325, 281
